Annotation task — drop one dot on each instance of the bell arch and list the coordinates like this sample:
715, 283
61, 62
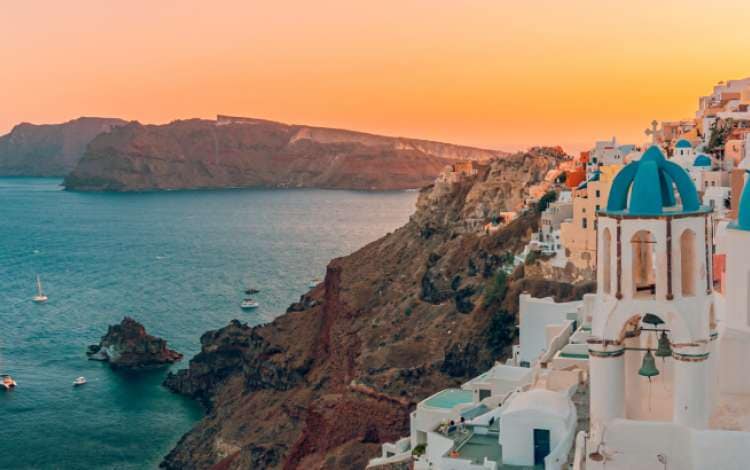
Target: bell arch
615, 326
643, 245
687, 262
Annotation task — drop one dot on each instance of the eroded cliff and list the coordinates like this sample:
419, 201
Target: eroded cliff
49, 149
246, 152
418, 310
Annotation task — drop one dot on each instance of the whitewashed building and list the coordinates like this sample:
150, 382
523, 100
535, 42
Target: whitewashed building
668, 385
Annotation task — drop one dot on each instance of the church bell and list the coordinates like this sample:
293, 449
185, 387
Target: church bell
648, 367
664, 349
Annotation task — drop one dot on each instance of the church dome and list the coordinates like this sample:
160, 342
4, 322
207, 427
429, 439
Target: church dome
683, 144
702, 160
646, 187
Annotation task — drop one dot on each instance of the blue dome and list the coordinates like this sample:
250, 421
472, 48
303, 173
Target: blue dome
683, 144
702, 160
652, 179
743, 215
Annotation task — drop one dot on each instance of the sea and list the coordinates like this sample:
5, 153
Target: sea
176, 261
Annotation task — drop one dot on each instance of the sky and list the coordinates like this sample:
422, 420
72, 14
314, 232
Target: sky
497, 74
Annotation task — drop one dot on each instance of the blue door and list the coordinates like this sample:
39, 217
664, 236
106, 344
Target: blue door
541, 445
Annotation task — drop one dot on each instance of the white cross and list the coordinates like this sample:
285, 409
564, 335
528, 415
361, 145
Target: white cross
652, 132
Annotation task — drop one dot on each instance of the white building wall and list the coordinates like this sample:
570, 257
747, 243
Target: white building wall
534, 315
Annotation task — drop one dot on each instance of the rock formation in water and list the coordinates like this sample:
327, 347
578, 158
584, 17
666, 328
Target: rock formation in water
245, 152
49, 149
416, 311
128, 346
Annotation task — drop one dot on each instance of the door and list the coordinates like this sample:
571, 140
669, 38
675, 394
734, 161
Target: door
541, 445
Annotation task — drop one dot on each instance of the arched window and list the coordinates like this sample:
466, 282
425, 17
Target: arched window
644, 269
607, 261
687, 262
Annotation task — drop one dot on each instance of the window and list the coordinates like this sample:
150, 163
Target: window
597, 195
584, 223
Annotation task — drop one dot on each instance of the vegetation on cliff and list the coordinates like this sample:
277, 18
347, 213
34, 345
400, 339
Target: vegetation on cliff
418, 310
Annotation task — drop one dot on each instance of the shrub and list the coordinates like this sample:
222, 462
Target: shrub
496, 289
544, 202
501, 331
418, 450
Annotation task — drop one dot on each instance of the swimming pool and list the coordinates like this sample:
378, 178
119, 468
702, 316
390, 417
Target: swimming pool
449, 398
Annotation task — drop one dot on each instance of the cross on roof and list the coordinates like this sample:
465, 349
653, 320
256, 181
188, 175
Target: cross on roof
653, 131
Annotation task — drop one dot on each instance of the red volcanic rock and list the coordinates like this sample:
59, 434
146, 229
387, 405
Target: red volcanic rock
128, 346
244, 152
49, 149
323, 385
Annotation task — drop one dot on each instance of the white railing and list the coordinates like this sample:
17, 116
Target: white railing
558, 458
579, 458
557, 343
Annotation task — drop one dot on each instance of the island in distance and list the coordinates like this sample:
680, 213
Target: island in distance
49, 149
247, 152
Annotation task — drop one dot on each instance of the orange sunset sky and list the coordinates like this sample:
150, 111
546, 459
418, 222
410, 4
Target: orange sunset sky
497, 74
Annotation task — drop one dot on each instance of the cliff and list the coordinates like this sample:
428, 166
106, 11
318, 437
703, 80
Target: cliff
50, 149
246, 152
128, 346
421, 309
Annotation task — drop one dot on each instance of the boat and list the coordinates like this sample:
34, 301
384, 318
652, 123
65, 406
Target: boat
79, 381
39, 298
251, 291
7, 382
313, 284
249, 304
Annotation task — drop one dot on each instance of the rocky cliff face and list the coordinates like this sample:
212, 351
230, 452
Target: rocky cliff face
50, 149
418, 310
245, 152
128, 346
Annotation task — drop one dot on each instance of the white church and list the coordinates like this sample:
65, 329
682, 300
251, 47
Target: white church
648, 373
669, 385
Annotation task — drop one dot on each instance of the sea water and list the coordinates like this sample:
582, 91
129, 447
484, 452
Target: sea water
178, 262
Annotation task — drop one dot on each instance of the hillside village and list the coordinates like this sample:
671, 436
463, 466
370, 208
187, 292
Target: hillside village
647, 372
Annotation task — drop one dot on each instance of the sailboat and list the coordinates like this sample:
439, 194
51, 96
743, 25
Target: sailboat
39, 298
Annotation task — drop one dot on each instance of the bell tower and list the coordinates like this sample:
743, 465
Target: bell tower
654, 297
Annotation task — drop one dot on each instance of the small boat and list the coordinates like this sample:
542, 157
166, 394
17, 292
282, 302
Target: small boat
314, 283
249, 304
251, 291
7, 382
39, 298
79, 381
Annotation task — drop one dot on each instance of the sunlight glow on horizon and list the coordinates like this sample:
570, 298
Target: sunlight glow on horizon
495, 74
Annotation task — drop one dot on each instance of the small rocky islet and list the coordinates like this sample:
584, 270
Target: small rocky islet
128, 346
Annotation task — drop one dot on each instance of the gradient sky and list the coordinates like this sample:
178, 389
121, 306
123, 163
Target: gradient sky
497, 74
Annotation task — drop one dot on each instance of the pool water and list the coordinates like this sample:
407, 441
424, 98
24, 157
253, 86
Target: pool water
447, 399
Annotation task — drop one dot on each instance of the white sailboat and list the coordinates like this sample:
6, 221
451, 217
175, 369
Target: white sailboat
39, 297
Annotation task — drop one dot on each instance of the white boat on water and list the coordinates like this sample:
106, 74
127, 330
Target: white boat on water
249, 304
7, 382
39, 298
79, 381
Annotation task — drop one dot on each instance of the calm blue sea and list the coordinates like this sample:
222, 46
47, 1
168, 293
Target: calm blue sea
178, 262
